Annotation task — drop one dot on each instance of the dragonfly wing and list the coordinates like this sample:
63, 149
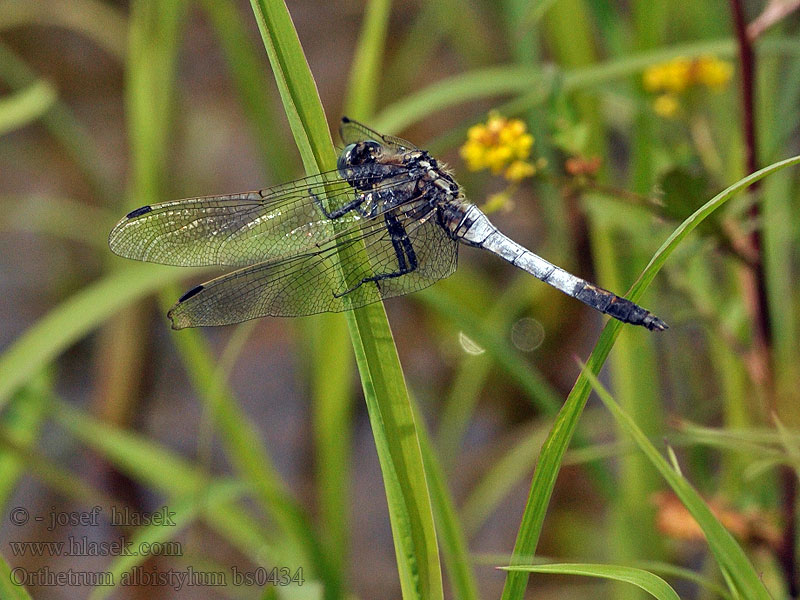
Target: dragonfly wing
435, 253
316, 282
352, 131
295, 286
238, 229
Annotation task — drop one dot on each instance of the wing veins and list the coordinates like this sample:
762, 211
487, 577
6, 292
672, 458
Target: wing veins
285, 268
228, 215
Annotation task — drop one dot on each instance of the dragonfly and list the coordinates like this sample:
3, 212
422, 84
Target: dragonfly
386, 222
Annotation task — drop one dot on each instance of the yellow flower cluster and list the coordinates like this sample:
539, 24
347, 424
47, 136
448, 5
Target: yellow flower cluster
501, 145
712, 72
677, 75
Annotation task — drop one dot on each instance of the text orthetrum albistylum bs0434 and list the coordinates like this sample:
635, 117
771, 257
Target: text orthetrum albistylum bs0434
388, 221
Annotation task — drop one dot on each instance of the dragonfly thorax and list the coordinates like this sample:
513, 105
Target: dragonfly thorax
369, 165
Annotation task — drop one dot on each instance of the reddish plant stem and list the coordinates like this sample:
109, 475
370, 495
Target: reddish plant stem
748, 75
762, 334
747, 59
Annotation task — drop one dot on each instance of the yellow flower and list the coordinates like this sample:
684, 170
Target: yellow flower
476, 133
677, 75
671, 76
473, 154
519, 170
712, 72
652, 78
666, 105
680, 73
496, 123
498, 146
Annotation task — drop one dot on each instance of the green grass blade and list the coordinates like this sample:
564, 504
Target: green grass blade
729, 554
74, 318
652, 584
98, 21
21, 424
252, 85
153, 42
8, 589
451, 531
62, 218
398, 447
215, 498
61, 123
296, 85
366, 68
247, 453
481, 83
26, 106
511, 469
382, 378
331, 380
132, 453
656, 567
536, 83
154, 36
669, 570
531, 381
633, 370
552, 452
175, 477
331, 372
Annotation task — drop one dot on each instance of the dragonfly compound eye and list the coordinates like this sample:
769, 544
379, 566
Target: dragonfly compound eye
346, 158
357, 155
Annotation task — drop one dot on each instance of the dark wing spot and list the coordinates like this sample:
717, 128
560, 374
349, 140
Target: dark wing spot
139, 211
190, 293
346, 120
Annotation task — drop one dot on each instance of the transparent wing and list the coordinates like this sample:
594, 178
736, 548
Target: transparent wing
316, 282
352, 131
239, 229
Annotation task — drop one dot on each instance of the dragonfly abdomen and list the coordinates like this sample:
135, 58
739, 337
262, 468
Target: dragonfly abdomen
617, 307
474, 228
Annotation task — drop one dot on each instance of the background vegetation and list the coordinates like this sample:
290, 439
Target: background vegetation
273, 443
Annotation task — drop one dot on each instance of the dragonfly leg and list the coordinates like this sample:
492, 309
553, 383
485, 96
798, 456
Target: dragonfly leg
403, 249
342, 210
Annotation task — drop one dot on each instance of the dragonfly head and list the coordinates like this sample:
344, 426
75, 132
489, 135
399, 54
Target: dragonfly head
359, 153
354, 156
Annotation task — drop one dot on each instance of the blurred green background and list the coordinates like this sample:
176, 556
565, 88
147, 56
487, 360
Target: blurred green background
257, 436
